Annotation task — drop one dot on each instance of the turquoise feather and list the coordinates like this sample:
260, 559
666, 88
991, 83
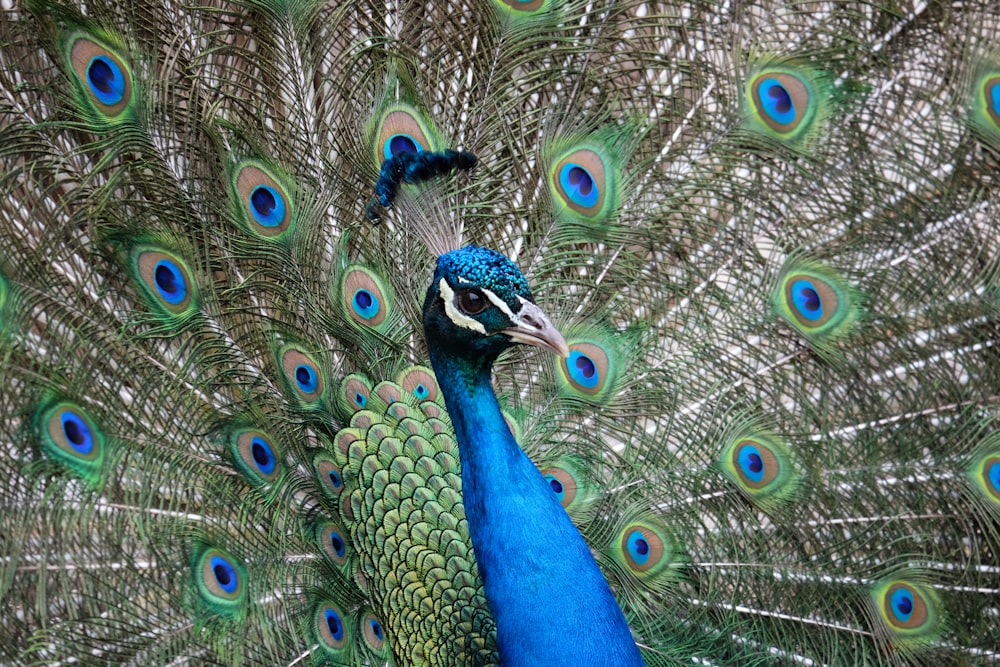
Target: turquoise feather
766, 232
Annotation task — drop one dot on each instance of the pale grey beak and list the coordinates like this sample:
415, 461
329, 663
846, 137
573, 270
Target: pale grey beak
532, 327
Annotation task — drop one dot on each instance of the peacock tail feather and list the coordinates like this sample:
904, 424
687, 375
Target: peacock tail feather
769, 232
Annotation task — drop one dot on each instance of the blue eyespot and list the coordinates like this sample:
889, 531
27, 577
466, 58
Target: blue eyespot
901, 601
557, 487
806, 300
776, 101
365, 304
170, 282
993, 475
106, 79
337, 542
583, 370
77, 432
306, 378
334, 624
400, 143
267, 206
372, 632
638, 547
360, 399
225, 574
263, 455
751, 463
376, 628
579, 185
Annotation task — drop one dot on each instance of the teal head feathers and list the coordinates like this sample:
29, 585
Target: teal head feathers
479, 304
542, 584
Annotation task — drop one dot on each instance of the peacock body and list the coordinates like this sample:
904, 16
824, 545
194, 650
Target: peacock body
244, 424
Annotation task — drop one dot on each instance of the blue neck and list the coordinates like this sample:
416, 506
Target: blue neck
551, 603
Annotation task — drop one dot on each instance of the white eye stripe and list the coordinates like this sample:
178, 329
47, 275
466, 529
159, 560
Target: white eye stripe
463, 320
453, 313
499, 303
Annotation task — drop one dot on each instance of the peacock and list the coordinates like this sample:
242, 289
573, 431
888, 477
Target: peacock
499, 332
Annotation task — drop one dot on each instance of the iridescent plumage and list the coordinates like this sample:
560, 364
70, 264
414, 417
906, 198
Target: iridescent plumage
238, 428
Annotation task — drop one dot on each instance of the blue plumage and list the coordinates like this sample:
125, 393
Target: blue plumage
551, 603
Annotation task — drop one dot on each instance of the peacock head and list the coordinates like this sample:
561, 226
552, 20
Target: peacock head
479, 304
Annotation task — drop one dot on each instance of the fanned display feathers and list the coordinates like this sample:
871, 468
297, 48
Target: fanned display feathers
769, 234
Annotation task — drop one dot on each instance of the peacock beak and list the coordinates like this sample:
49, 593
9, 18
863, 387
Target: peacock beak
532, 327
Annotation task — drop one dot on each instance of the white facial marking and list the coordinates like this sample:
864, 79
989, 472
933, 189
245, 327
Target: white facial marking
453, 313
462, 320
499, 303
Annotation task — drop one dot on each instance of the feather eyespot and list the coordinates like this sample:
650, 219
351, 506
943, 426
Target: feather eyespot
588, 371
170, 281
402, 129
165, 281
815, 301
984, 472
991, 94
784, 103
638, 548
302, 375
366, 297
255, 456
781, 98
420, 383
330, 476
68, 435
105, 75
220, 580
571, 488
77, 433
580, 181
365, 303
263, 201
107, 80
402, 133
332, 542
563, 485
355, 393
267, 206
643, 549
583, 371
908, 609
331, 632
759, 463
332, 628
223, 575
372, 631
905, 606
991, 474
307, 378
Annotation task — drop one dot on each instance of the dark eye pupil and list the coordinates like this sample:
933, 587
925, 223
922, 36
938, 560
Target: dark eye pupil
471, 302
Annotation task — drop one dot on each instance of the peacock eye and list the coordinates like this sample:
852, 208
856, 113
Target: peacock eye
470, 302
